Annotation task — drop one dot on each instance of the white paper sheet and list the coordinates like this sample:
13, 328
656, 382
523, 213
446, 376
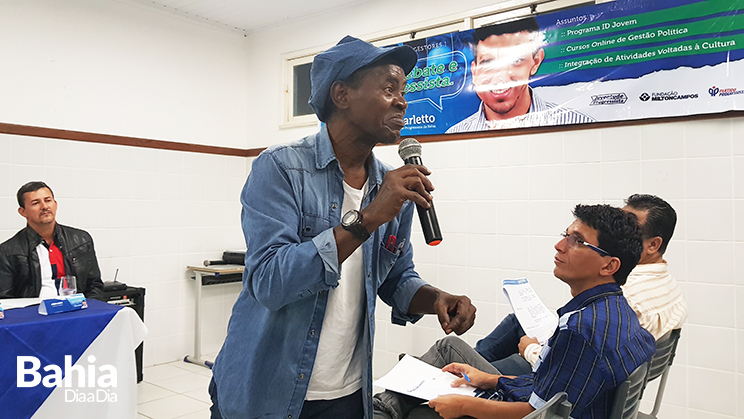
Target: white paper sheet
418, 379
9, 303
534, 317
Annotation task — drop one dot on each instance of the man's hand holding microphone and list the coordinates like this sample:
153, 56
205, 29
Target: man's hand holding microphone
410, 183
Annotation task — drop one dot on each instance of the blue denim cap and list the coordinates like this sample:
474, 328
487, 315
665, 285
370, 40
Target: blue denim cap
346, 57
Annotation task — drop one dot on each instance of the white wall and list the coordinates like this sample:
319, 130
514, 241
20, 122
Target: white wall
503, 201
151, 213
319, 32
119, 68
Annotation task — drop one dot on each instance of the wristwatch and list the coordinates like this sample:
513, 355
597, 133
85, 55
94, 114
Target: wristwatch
352, 222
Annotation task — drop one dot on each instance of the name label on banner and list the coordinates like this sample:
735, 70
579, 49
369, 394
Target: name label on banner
85, 377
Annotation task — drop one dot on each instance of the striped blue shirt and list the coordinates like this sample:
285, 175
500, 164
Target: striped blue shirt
597, 345
541, 113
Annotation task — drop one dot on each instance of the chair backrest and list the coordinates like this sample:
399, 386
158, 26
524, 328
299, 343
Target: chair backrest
556, 408
628, 394
666, 347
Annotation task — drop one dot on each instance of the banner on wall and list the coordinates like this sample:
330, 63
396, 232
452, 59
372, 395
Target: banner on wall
627, 59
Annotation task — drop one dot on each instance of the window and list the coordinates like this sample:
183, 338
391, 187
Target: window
297, 112
301, 90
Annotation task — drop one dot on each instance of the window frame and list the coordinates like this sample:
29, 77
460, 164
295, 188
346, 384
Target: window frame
289, 120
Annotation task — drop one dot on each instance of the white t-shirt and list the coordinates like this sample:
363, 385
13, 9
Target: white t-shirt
338, 363
48, 290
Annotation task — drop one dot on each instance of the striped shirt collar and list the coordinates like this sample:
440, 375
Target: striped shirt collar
541, 113
586, 297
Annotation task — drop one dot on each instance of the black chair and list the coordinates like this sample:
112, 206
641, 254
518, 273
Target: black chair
556, 408
628, 394
666, 348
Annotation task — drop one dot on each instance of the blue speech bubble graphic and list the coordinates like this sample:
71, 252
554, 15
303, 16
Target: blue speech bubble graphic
437, 77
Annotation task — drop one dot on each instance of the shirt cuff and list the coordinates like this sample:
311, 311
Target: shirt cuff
532, 353
325, 242
403, 296
536, 401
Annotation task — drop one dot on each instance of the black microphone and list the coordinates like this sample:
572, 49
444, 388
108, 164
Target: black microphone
410, 151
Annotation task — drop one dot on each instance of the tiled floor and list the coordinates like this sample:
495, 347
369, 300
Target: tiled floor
174, 390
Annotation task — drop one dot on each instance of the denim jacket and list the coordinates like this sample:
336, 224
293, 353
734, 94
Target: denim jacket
291, 203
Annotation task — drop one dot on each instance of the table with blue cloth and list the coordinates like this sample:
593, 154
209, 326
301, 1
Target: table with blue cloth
93, 348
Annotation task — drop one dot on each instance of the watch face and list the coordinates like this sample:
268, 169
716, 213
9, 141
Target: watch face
352, 222
349, 218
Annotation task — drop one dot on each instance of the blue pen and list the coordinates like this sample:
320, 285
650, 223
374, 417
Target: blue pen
466, 378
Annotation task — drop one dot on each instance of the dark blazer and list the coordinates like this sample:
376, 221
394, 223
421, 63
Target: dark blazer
20, 272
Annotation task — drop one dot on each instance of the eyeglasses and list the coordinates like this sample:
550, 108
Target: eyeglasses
573, 240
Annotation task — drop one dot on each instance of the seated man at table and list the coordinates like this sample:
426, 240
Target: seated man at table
44, 251
598, 342
650, 290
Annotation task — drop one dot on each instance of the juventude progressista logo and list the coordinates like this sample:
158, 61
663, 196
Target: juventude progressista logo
94, 384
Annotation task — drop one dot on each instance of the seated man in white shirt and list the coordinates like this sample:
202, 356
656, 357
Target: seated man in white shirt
650, 290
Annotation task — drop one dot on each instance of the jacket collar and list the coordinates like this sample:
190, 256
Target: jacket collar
32, 236
324, 155
35, 239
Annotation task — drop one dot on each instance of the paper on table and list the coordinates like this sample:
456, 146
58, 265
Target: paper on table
536, 320
228, 267
418, 379
9, 303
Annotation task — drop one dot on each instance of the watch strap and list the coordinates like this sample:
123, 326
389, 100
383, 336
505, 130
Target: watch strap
356, 228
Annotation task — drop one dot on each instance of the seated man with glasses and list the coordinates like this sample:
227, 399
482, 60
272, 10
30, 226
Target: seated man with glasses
598, 342
650, 290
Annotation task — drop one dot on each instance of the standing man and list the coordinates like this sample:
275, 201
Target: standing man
506, 56
327, 229
44, 251
651, 291
598, 342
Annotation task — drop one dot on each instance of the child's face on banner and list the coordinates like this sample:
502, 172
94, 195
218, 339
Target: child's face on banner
502, 68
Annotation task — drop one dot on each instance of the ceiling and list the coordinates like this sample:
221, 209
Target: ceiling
248, 15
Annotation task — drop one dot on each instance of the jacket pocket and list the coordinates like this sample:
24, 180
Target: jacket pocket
386, 262
389, 249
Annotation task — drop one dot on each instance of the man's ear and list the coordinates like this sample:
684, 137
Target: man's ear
610, 267
22, 211
340, 94
652, 245
538, 58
